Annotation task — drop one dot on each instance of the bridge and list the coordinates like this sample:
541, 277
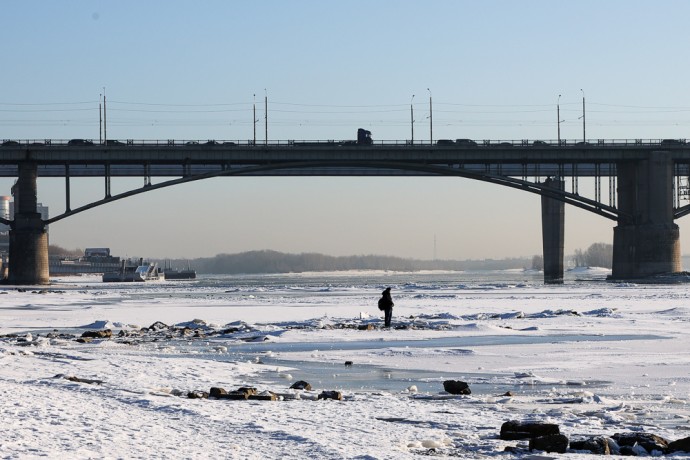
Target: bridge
640, 184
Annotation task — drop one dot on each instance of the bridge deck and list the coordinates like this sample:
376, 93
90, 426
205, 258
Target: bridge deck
180, 158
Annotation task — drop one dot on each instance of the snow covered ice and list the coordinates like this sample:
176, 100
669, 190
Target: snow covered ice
596, 358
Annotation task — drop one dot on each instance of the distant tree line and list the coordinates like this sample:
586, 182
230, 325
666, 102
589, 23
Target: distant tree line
59, 251
597, 255
267, 261
538, 262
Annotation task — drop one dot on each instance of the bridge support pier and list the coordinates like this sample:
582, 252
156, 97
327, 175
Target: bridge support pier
553, 233
28, 236
648, 242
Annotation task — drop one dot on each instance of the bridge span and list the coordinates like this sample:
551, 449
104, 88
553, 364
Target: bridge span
640, 184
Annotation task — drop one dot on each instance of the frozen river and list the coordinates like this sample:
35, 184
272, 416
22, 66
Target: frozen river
594, 357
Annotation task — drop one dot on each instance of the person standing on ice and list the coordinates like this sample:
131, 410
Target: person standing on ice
386, 305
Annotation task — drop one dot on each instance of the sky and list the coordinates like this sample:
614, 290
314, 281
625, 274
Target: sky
196, 70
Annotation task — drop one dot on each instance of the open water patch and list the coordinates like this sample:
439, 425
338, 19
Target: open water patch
472, 341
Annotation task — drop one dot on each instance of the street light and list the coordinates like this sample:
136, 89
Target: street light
558, 118
105, 120
431, 120
412, 119
584, 134
100, 119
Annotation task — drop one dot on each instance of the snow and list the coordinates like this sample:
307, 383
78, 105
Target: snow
596, 358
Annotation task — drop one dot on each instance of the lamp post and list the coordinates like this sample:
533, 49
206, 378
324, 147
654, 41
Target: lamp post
584, 133
266, 114
431, 120
558, 118
105, 120
254, 120
412, 119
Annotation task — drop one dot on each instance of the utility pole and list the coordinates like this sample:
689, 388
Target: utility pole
558, 118
254, 120
100, 120
105, 122
412, 119
431, 120
584, 134
266, 113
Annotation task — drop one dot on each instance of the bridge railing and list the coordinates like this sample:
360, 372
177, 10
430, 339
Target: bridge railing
442, 143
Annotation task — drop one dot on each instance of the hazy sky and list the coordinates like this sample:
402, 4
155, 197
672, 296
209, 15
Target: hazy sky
193, 69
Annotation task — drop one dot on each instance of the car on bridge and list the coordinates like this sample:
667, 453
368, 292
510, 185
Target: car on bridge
445, 142
10, 143
364, 136
79, 142
465, 142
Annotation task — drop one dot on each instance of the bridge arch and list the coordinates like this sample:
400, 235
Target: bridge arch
538, 188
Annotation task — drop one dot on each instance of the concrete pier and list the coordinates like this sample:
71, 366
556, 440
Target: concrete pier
28, 237
648, 243
553, 234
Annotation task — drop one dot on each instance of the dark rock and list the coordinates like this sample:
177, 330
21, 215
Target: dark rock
627, 451
84, 340
217, 392
104, 334
266, 396
72, 378
81, 380
158, 326
300, 385
550, 443
338, 396
680, 445
513, 430
596, 445
649, 441
248, 390
366, 327
197, 394
348, 363
235, 395
517, 450
456, 387
509, 394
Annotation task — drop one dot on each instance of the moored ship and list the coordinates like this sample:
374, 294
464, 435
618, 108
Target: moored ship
143, 271
170, 273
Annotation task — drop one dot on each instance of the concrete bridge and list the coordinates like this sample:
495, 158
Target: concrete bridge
640, 184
